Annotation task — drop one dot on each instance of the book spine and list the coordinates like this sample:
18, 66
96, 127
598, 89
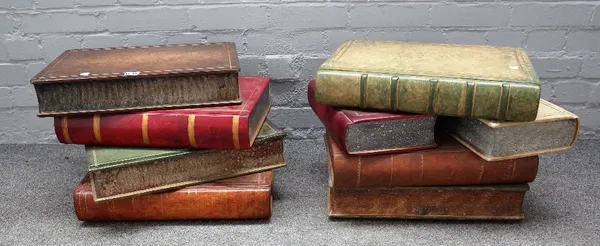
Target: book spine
487, 204
335, 122
429, 168
185, 204
176, 131
417, 94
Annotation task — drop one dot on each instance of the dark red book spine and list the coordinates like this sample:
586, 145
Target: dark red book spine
244, 197
222, 127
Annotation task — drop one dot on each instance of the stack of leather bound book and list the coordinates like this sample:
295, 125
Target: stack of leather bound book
171, 132
434, 131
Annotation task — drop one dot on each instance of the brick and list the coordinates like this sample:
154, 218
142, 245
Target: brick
177, 2
164, 19
20, 50
589, 118
596, 19
309, 69
12, 75
186, 38
144, 39
488, 15
556, 67
387, 35
236, 37
583, 41
52, 4
6, 24
24, 96
102, 41
285, 43
247, 17
551, 15
137, 2
547, 90
546, 41
590, 68
59, 23
294, 118
466, 38
595, 98
335, 38
305, 133
572, 92
95, 2
280, 67
506, 38
252, 65
34, 68
295, 16
289, 93
54, 46
16, 4
5, 98
3, 52
426, 36
389, 16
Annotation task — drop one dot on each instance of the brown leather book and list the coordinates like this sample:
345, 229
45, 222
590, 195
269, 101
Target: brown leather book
449, 164
483, 202
244, 197
85, 81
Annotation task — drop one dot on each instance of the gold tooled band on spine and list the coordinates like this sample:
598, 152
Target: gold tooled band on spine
145, 128
469, 99
433, 85
65, 130
394, 96
191, 132
97, 128
236, 131
363, 90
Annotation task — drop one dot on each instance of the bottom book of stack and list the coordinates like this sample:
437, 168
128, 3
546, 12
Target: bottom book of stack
449, 182
244, 197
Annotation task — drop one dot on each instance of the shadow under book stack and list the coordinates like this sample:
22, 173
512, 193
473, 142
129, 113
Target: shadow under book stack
171, 132
434, 131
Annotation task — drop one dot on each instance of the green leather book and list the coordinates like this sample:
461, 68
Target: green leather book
485, 82
119, 172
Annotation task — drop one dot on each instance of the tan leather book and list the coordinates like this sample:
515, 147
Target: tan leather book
85, 81
244, 197
477, 202
554, 129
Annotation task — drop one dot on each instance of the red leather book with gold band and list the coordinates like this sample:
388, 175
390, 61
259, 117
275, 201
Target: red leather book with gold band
373, 133
222, 127
243, 197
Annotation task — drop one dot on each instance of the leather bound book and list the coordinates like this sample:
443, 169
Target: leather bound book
222, 127
475, 202
554, 129
84, 81
487, 82
450, 164
244, 197
120, 172
370, 133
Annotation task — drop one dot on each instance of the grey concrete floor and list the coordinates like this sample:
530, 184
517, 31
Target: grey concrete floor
37, 181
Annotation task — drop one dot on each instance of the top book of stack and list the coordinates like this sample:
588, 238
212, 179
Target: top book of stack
485, 82
85, 81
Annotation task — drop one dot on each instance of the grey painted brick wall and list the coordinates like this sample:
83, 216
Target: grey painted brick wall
288, 40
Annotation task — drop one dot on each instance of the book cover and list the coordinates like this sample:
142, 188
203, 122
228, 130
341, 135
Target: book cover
553, 130
488, 82
475, 202
120, 172
243, 197
221, 127
85, 81
370, 133
449, 164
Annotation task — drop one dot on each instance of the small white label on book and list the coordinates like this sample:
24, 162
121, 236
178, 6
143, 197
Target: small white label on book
514, 67
84, 74
132, 73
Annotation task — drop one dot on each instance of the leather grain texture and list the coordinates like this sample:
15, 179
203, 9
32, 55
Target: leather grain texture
244, 197
220, 127
86, 81
438, 202
120, 172
555, 129
370, 133
486, 82
449, 164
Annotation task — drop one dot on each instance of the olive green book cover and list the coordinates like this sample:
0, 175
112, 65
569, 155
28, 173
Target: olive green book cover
119, 172
488, 82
